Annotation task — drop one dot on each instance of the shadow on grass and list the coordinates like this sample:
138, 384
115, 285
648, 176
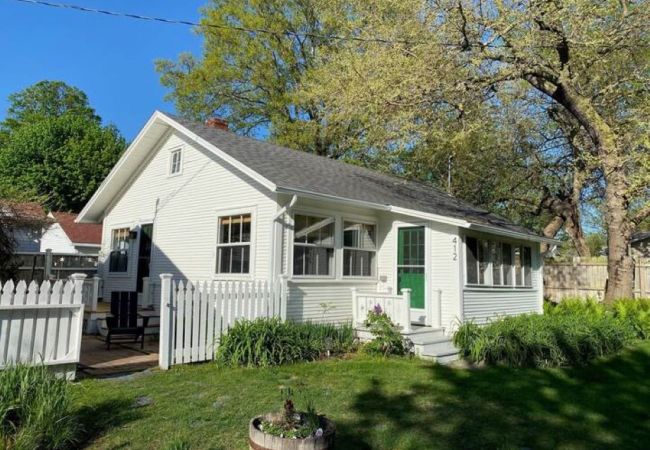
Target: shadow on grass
102, 417
604, 405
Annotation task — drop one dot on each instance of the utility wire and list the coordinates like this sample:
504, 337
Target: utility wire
211, 25
287, 33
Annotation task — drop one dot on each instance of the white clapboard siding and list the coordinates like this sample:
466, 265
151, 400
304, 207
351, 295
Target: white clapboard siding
195, 315
41, 323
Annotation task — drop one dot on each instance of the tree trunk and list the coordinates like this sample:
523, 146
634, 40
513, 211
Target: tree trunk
620, 265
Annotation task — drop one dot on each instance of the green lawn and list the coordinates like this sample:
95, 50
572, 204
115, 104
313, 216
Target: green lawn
383, 404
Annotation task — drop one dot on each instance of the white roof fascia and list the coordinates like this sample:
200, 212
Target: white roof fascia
81, 217
513, 234
429, 216
332, 198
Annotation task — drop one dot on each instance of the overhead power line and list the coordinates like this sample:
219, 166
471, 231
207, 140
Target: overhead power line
286, 33
211, 25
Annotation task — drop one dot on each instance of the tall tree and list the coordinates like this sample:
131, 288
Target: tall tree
588, 58
251, 78
55, 146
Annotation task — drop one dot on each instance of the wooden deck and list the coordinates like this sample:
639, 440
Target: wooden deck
122, 358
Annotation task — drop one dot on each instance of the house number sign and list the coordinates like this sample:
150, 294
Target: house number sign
455, 249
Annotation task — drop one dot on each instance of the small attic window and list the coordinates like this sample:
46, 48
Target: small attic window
175, 162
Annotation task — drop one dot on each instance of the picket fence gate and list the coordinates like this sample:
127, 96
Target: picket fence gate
194, 316
42, 324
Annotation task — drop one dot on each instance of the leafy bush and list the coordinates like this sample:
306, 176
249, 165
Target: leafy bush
544, 340
270, 341
387, 338
637, 313
573, 331
589, 306
35, 410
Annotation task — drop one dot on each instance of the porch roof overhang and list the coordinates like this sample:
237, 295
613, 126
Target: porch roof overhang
420, 215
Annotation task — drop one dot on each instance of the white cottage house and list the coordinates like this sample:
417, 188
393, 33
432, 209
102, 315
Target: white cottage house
203, 203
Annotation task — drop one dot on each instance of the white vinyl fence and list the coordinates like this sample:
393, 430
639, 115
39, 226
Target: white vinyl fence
42, 323
194, 316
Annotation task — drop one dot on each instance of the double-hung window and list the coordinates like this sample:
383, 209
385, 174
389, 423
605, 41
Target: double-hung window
234, 244
359, 249
119, 256
313, 245
175, 162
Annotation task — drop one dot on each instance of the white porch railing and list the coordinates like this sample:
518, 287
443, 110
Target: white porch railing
194, 316
397, 307
42, 323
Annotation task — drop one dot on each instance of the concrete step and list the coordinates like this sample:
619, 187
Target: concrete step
420, 335
441, 350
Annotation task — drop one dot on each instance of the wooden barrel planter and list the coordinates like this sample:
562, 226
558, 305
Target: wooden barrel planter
258, 440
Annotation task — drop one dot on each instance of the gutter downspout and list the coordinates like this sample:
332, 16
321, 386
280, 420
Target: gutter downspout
274, 223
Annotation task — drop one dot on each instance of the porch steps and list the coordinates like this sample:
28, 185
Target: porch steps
428, 343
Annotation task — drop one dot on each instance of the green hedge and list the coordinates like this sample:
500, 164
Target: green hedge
35, 410
571, 333
270, 342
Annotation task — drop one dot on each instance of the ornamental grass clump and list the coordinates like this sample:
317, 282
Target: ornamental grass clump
35, 410
551, 340
271, 341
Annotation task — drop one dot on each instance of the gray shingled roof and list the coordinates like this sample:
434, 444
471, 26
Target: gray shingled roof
296, 170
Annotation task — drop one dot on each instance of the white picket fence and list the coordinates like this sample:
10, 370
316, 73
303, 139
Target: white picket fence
42, 323
193, 316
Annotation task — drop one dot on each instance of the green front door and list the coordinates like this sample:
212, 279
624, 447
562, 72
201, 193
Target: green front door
410, 263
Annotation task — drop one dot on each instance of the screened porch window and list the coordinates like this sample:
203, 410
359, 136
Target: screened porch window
234, 247
495, 263
313, 246
119, 257
359, 249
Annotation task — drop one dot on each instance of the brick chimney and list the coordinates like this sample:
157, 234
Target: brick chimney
216, 122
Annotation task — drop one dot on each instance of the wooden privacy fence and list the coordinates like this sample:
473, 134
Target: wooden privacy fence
580, 278
42, 323
193, 316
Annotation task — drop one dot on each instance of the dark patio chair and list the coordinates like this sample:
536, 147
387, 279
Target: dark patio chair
123, 320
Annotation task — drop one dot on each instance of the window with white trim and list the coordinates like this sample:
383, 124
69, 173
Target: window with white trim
313, 245
359, 249
175, 161
234, 244
119, 256
495, 263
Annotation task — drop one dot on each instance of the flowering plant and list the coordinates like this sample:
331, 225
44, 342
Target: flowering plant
387, 338
292, 424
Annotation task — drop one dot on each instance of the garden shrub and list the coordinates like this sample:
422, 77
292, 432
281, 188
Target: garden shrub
387, 339
35, 410
559, 339
271, 341
637, 313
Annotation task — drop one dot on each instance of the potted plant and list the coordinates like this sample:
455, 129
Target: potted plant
290, 429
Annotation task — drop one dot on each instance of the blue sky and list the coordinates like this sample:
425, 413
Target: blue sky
110, 58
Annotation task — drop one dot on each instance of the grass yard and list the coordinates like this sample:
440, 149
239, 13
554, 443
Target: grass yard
382, 404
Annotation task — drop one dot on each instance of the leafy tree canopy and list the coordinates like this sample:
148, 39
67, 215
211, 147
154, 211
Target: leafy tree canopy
55, 146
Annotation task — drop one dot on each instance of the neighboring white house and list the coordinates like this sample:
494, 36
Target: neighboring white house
62, 234
65, 235
203, 203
